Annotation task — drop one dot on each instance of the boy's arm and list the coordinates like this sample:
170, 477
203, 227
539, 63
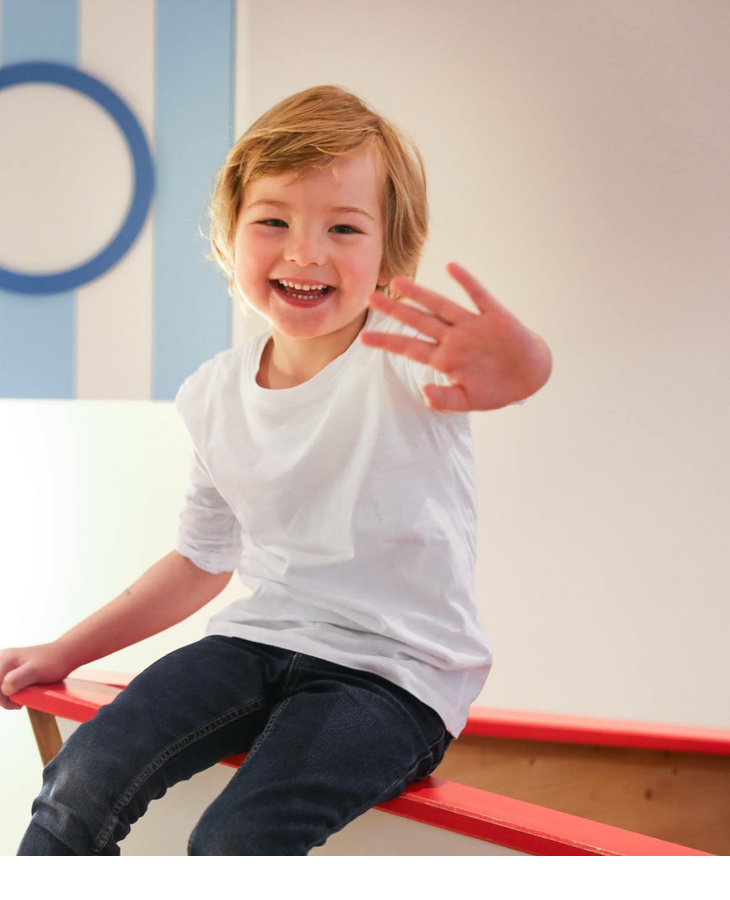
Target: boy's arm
168, 592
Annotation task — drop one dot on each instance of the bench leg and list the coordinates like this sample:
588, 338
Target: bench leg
47, 735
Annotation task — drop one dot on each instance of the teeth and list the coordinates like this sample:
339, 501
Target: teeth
302, 287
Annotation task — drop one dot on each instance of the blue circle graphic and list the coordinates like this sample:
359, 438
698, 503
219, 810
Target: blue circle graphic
95, 90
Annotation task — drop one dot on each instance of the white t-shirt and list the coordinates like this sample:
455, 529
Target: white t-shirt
349, 508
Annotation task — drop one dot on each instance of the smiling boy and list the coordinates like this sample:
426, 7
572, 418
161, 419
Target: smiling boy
345, 503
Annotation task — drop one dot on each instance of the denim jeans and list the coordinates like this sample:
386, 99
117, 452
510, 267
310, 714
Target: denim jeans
325, 743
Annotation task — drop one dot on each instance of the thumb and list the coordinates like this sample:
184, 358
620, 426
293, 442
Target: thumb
17, 679
441, 398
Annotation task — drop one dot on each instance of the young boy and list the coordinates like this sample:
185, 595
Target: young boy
332, 467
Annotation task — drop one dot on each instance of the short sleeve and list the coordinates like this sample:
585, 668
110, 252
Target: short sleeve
208, 533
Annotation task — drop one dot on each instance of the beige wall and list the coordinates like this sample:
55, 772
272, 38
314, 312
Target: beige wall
577, 154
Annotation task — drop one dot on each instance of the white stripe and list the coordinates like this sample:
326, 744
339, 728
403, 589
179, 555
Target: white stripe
114, 313
243, 326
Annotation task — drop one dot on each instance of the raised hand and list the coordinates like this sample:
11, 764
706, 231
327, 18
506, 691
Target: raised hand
490, 358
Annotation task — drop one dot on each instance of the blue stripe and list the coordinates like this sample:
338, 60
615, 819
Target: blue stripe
39, 30
38, 332
193, 133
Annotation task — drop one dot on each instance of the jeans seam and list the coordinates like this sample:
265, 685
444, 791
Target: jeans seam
169, 751
295, 670
269, 725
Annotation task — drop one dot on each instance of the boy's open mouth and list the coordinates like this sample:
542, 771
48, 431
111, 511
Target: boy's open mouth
301, 298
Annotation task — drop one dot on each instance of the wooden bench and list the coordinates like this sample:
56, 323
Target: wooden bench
522, 783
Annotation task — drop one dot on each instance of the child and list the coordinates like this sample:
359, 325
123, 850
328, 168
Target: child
345, 501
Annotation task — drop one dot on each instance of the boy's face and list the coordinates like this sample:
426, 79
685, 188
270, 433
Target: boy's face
304, 241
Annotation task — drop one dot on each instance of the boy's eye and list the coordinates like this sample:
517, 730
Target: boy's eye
352, 230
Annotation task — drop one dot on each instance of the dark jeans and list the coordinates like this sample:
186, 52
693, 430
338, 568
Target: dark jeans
325, 743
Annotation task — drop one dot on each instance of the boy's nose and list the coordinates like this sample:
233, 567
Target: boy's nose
305, 251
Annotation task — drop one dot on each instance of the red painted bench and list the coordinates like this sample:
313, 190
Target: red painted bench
520, 753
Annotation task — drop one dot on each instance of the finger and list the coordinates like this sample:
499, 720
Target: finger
483, 300
413, 348
445, 309
425, 322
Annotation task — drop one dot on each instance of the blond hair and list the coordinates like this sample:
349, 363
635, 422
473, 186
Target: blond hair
308, 131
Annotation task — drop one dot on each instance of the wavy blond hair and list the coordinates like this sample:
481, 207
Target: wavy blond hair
310, 130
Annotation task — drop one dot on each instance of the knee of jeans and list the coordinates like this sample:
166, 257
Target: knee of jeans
68, 791
62, 805
62, 781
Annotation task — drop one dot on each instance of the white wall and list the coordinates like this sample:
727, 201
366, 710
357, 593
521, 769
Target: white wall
577, 158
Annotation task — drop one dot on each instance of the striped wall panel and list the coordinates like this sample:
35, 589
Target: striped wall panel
138, 328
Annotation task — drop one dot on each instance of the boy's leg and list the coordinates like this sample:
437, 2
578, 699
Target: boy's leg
339, 742
184, 713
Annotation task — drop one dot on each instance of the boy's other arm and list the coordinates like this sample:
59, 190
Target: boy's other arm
168, 592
